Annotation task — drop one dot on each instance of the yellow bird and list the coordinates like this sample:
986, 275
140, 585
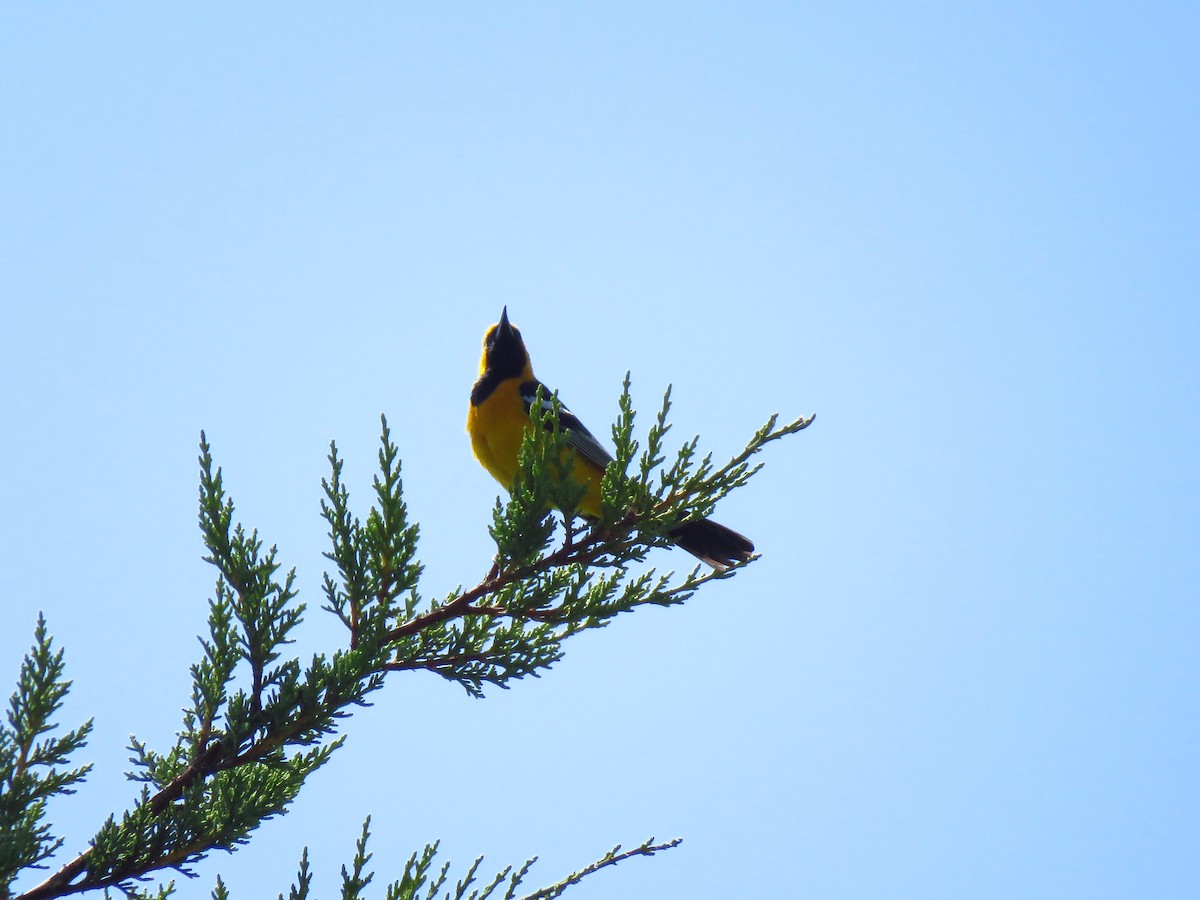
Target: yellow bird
499, 416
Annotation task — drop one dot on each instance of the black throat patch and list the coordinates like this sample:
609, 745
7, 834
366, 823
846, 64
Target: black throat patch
506, 358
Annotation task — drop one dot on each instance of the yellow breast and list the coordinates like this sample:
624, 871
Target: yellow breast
497, 427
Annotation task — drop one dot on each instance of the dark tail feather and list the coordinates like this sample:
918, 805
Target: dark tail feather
713, 543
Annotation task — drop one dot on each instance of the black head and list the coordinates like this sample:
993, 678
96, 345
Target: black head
504, 354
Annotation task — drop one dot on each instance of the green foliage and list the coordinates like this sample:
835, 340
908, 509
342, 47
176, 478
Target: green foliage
512, 624
523, 529
419, 881
260, 720
29, 768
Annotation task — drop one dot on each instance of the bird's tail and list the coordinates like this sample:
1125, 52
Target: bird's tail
713, 543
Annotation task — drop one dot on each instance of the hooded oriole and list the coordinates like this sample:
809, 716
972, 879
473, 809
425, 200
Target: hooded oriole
499, 416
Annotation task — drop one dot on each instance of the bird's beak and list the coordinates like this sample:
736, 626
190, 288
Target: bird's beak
504, 326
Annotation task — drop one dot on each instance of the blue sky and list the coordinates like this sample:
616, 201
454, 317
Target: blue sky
965, 237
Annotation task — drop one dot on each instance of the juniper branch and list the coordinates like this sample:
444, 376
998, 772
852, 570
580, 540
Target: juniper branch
244, 752
29, 768
419, 880
612, 858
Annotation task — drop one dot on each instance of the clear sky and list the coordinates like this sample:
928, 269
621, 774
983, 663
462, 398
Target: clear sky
964, 235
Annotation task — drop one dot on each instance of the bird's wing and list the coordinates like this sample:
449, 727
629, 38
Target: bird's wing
579, 438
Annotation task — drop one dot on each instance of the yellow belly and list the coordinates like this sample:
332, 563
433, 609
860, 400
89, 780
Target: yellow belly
497, 428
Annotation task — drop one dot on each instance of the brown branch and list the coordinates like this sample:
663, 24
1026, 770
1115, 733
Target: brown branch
214, 759
202, 766
256, 686
51, 888
59, 884
550, 614
435, 663
597, 544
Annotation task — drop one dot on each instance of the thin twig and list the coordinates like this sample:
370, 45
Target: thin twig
647, 849
597, 544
